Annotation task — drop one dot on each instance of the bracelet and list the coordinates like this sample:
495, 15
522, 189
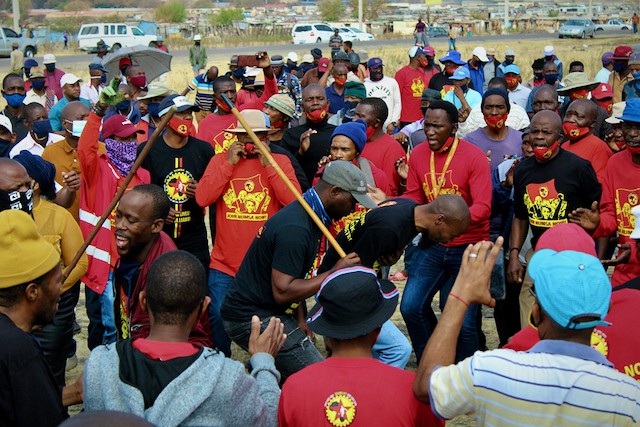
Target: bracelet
514, 249
451, 294
99, 110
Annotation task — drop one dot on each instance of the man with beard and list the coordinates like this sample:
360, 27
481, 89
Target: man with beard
386, 88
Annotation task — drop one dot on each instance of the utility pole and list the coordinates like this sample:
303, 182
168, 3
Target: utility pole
590, 9
360, 20
506, 17
16, 16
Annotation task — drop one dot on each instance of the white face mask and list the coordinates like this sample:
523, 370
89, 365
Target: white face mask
77, 126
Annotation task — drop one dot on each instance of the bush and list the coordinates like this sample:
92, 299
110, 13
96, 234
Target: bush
173, 12
331, 10
225, 17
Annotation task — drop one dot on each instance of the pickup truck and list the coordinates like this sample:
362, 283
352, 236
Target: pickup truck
613, 25
7, 37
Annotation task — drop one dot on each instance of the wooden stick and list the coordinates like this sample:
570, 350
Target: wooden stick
143, 154
267, 154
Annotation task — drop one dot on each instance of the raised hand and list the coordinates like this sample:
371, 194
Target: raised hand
111, 94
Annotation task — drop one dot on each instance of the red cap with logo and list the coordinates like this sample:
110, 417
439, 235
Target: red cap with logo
120, 126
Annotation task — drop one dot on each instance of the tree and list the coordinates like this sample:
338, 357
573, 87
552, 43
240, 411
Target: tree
331, 10
77, 5
225, 17
174, 12
370, 8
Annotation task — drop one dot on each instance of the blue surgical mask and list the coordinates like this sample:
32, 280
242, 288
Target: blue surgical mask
103, 79
38, 84
123, 105
551, 78
153, 109
636, 76
77, 126
42, 128
14, 100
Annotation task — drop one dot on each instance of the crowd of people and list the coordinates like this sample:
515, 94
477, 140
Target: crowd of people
306, 179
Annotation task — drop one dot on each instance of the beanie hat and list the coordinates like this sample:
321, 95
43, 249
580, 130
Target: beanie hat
283, 103
496, 91
25, 253
356, 89
42, 171
355, 131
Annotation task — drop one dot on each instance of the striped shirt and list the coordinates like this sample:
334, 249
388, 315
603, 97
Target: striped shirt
204, 91
556, 383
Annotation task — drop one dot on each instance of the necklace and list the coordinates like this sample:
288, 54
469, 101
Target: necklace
437, 183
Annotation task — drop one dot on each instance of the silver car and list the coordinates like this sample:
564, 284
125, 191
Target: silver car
580, 28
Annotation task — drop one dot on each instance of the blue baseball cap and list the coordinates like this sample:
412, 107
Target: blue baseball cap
461, 73
374, 62
571, 285
453, 56
631, 112
513, 68
97, 66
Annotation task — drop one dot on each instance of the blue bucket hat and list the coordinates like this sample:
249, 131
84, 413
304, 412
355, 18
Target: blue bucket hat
571, 286
631, 112
453, 56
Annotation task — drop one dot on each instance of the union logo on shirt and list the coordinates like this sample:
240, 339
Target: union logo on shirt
417, 87
445, 183
599, 342
340, 408
247, 199
626, 199
224, 140
175, 185
546, 207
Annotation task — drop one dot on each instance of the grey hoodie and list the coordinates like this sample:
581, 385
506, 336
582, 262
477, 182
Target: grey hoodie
213, 391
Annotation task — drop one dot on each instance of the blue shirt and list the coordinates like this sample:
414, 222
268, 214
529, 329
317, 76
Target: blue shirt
56, 110
204, 91
336, 100
477, 77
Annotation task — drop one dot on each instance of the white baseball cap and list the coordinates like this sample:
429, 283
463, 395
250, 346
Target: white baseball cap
197, 38
49, 58
292, 56
5, 122
549, 50
481, 53
69, 79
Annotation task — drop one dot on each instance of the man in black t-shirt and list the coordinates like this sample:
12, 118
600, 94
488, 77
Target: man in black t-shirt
176, 163
547, 188
271, 279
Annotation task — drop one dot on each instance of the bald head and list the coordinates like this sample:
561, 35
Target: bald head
75, 110
548, 116
443, 219
582, 112
545, 98
14, 176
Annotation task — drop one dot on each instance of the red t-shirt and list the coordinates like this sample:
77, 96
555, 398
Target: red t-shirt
352, 392
594, 150
246, 196
383, 152
620, 193
411, 83
211, 129
619, 343
161, 350
468, 176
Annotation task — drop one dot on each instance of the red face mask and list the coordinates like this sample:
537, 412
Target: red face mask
278, 125
573, 132
543, 154
620, 144
318, 115
340, 81
446, 145
370, 131
633, 150
512, 81
180, 126
139, 81
450, 71
249, 148
607, 105
496, 122
223, 106
424, 63
578, 94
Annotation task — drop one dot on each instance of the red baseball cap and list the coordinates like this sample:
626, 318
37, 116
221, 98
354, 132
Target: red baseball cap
604, 90
429, 51
124, 61
120, 126
323, 64
622, 53
567, 237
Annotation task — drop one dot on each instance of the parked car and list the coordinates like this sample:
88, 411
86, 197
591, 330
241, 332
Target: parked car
8, 37
354, 34
613, 25
577, 28
311, 33
437, 32
116, 35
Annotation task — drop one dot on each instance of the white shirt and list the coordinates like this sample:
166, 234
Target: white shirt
90, 93
388, 90
603, 76
519, 95
31, 96
30, 144
517, 119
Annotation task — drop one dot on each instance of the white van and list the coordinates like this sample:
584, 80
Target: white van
116, 35
311, 33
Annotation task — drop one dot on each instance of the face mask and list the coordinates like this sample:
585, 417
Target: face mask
139, 81
121, 154
320, 74
38, 84
103, 79
620, 144
238, 73
512, 81
508, 61
633, 150
464, 88
548, 58
223, 106
430, 62
153, 109
14, 100
123, 105
424, 110
496, 122
619, 66
376, 76
543, 153
292, 65
353, 105
573, 132
317, 116
448, 143
424, 63
450, 71
607, 105
180, 126
370, 131
278, 125
578, 94
636, 76
551, 78
77, 126
42, 128
17, 200
341, 81
538, 76
50, 67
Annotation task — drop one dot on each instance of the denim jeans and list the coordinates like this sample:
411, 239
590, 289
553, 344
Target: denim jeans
297, 352
219, 284
421, 38
431, 269
452, 44
392, 347
100, 310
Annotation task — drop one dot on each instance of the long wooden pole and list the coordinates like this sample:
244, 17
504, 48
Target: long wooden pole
143, 154
267, 154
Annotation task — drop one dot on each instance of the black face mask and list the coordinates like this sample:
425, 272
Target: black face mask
320, 74
431, 61
424, 110
353, 105
376, 75
17, 200
5, 147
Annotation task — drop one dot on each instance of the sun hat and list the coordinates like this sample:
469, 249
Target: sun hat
292, 56
349, 178
577, 80
26, 255
316, 53
461, 73
257, 121
69, 79
355, 131
622, 53
308, 58
356, 89
481, 53
174, 100
631, 111
156, 89
277, 60
120, 126
571, 285
603, 90
512, 68
491, 51
510, 52
283, 103
197, 38
453, 56
548, 51
352, 302
49, 58
636, 231
36, 72
618, 109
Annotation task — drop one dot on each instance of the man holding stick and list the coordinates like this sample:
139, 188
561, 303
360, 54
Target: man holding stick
271, 279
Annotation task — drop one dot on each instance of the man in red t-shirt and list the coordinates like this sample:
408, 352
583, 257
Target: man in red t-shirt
246, 191
347, 387
444, 165
411, 81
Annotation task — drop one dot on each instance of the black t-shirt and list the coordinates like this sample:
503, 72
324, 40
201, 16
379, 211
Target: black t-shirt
29, 395
438, 81
302, 178
171, 169
381, 231
320, 145
288, 242
546, 193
